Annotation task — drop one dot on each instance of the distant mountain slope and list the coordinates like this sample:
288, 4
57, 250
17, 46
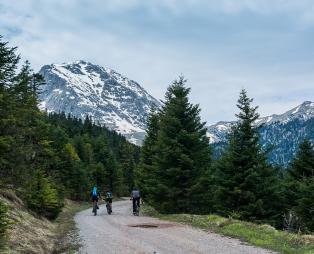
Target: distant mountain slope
82, 88
282, 133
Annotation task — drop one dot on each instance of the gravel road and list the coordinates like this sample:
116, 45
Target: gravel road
124, 233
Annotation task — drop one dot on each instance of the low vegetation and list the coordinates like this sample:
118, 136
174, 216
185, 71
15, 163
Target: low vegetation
259, 235
67, 240
26, 232
4, 223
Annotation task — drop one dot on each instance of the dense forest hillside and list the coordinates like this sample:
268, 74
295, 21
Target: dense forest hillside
48, 157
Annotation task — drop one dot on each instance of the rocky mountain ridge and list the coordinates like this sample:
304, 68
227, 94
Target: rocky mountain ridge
109, 98
282, 133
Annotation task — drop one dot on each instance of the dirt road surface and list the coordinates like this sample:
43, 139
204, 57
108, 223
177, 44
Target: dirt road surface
124, 233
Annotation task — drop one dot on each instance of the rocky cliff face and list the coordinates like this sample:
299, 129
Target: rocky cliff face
82, 88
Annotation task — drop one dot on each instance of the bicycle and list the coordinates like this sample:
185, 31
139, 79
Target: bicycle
109, 208
136, 211
95, 207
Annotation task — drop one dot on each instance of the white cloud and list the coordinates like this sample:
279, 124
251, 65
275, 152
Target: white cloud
103, 32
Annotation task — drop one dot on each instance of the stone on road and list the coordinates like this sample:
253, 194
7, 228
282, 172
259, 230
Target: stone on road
121, 232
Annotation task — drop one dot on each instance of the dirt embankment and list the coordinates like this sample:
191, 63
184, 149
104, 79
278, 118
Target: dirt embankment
30, 234
27, 233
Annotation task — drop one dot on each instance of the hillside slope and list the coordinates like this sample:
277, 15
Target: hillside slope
28, 233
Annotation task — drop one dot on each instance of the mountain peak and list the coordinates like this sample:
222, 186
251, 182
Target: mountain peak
283, 132
82, 88
302, 112
307, 105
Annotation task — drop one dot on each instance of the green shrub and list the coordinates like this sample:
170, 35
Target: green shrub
42, 197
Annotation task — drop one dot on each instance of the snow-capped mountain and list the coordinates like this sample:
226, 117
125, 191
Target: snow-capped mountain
82, 88
218, 132
282, 133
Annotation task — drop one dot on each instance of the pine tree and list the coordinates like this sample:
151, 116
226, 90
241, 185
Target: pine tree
127, 166
22, 135
72, 173
145, 176
299, 186
182, 153
305, 204
246, 185
303, 165
42, 197
8, 66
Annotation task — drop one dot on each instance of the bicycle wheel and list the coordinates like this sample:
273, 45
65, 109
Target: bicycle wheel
95, 209
108, 208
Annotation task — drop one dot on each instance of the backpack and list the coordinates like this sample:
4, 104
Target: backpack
95, 194
108, 195
136, 194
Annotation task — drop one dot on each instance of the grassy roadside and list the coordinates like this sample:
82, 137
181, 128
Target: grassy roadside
259, 235
30, 233
67, 240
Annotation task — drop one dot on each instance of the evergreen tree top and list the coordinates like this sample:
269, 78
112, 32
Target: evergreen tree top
303, 164
247, 112
177, 89
8, 63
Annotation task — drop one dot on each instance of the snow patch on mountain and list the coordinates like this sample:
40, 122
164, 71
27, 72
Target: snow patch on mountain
302, 112
282, 133
218, 132
82, 88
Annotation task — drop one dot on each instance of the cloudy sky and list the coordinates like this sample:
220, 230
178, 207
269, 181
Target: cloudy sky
221, 46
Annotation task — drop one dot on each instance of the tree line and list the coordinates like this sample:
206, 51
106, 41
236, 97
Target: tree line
177, 172
46, 158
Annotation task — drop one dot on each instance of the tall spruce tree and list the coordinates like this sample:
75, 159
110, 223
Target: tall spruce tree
127, 166
305, 204
182, 153
246, 185
303, 165
8, 66
299, 187
145, 175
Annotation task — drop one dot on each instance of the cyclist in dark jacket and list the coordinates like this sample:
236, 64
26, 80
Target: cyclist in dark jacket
108, 198
136, 197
